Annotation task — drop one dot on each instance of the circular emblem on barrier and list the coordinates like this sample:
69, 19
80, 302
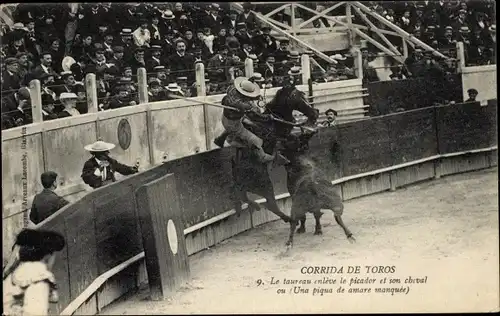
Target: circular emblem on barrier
172, 236
124, 134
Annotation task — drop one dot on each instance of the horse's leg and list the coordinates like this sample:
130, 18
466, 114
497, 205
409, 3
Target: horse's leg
237, 197
338, 218
302, 227
293, 224
273, 207
289, 242
252, 205
317, 217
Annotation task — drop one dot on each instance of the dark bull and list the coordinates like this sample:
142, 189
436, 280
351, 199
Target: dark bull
310, 190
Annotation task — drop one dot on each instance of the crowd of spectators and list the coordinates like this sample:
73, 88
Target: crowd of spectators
441, 24
59, 44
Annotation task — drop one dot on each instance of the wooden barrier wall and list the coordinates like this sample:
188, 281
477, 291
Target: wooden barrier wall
152, 133
364, 157
386, 96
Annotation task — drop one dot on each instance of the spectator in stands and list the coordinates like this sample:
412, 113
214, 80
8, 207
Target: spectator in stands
100, 169
141, 35
11, 81
268, 70
45, 66
181, 62
25, 66
46, 202
81, 103
155, 58
258, 79
31, 286
122, 97
48, 108
248, 17
156, 91
16, 109
173, 91
68, 100
218, 66
265, 44
472, 95
331, 118
68, 83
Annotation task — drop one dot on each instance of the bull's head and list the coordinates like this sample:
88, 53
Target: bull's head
297, 145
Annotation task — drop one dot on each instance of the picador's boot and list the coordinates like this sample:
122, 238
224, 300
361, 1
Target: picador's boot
221, 139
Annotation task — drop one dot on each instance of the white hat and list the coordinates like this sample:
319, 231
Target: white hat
295, 71
19, 26
167, 15
67, 95
173, 87
257, 77
67, 62
246, 87
338, 57
99, 146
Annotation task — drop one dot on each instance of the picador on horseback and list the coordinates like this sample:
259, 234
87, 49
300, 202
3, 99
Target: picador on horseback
244, 96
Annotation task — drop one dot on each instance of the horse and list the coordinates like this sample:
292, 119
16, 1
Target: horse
309, 189
251, 175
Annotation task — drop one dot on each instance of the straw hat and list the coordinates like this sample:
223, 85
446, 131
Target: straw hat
19, 26
168, 15
246, 87
257, 77
295, 71
99, 146
67, 96
294, 54
173, 87
338, 57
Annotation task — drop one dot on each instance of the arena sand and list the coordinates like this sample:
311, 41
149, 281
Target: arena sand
445, 229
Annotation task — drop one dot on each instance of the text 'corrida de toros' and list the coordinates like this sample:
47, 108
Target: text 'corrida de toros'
347, 269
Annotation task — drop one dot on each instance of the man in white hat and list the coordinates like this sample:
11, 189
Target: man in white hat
242, 96
99, 170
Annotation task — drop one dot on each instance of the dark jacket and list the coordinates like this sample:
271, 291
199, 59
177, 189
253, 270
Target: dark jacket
94, 181
45, 204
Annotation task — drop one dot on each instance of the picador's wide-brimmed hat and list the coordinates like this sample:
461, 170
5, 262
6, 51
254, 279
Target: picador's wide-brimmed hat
99, 146
246, 87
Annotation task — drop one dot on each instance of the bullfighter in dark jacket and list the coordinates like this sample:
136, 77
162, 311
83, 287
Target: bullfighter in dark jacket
46, 202
99, 170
